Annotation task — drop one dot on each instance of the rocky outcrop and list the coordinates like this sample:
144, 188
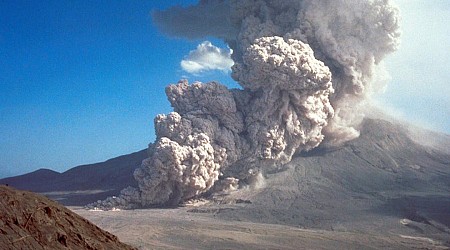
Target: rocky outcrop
31, 221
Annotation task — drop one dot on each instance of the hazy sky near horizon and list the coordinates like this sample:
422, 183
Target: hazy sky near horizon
81, 81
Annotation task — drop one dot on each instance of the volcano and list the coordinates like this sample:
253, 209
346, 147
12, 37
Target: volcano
385, 181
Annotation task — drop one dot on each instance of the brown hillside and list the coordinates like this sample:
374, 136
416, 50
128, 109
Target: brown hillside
31, 221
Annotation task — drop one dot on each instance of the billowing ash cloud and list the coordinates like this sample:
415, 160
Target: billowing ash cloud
304, 66
207, 57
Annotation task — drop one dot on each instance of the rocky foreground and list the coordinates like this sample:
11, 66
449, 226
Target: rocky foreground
32, 221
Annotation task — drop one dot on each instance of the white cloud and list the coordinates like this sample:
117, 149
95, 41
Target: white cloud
207, 57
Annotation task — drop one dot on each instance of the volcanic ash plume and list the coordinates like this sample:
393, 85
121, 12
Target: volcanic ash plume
303, 65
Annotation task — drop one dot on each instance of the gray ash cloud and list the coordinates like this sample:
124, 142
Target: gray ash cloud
304, 67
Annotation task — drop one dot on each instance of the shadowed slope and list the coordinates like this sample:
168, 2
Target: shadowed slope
83, 184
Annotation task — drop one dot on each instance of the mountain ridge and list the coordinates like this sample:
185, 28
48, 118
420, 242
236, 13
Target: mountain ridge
92, 181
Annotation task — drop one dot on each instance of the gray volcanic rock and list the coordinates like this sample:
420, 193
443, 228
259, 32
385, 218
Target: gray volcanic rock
382, 181
31, 221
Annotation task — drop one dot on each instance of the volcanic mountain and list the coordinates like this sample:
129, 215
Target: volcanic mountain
385, 180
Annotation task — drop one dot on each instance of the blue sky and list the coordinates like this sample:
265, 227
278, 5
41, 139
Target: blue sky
419, 89
81, 81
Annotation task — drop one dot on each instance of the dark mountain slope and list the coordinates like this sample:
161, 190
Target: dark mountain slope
82, 184
32, 181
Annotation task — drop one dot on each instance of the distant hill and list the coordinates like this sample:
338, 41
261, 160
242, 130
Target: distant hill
86, 183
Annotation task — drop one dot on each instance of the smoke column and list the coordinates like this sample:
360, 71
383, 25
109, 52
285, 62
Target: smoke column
304, 67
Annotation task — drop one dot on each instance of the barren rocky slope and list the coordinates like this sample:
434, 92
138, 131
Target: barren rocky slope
31, 221
381, 182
